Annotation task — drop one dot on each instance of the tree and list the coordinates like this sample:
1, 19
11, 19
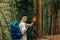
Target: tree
38, 14
54, 17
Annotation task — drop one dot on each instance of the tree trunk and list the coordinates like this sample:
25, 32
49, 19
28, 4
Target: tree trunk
38, 14
53, 29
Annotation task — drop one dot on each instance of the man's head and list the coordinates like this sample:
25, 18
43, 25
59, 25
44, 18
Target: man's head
24, 18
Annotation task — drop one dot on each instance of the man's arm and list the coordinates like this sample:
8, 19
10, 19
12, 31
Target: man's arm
24, 29
30, 24
34, 20
23, 32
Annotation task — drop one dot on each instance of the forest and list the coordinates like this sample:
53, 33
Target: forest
46, 11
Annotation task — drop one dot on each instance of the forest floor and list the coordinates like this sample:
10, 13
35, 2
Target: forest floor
51, 37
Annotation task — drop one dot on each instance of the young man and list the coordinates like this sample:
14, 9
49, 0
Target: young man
23, 26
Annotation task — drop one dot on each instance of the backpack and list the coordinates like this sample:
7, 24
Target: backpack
15, 30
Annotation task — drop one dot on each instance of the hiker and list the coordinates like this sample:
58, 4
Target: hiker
23, 26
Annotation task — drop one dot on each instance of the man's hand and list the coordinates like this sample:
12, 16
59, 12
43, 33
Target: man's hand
23, 32
34, 19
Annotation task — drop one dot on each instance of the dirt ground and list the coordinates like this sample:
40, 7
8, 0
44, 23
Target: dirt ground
52, 37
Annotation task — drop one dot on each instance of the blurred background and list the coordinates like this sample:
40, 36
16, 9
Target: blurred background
46, 11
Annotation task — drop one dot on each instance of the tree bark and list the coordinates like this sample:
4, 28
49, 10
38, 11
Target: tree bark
38, 14
53, 29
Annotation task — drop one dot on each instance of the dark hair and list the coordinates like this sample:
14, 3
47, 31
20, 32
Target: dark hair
25, 15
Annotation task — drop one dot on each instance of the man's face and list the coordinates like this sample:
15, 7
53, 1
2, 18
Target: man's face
25, 18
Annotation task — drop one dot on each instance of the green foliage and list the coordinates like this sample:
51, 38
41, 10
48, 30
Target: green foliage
58, 4
24, 7
46, 15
